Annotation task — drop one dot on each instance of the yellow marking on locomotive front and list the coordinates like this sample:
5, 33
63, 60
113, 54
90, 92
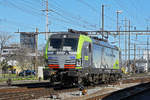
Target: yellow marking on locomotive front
86, 57
116, 65
78, 67
82, 39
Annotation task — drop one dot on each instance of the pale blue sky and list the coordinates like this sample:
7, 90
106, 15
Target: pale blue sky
76, 14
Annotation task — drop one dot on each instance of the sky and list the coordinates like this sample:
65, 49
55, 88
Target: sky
26, 15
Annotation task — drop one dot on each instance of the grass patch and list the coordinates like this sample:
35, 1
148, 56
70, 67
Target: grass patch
14, 77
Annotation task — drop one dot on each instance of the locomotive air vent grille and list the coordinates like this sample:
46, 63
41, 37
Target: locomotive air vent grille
53, 61
70, 61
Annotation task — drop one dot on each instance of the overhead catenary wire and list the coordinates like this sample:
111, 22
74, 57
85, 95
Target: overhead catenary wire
30, 10
71, 16
69, 22
29, 5
36, 13
70, 19
21, 8
88, 5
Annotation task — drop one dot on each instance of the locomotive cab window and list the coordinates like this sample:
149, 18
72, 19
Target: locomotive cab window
63, 44
55, 43
71, 42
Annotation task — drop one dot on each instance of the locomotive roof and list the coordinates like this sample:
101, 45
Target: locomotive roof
76, 35
60, 34
104, 43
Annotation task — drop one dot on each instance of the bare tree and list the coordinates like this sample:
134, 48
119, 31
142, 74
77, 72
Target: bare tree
23, 57
4, 39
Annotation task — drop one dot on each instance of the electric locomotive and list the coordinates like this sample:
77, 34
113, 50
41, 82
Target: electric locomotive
76, 58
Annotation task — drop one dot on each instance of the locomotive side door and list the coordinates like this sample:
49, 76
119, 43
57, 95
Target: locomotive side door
86, 54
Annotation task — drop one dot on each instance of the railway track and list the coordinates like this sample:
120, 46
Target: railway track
35, 93
123, 94
22, 93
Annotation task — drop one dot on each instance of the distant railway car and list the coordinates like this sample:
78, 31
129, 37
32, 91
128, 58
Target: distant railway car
73, 58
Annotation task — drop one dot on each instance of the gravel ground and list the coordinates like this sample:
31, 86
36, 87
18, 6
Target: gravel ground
90, 92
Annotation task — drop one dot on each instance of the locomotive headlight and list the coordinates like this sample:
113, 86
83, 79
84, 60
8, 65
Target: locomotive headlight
78, 62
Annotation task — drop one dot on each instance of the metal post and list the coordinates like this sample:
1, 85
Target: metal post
134, 56
118, 12
120, 62
117, 21
129, 48
47, 23
118, 27
36, 49
139, 53
119, 36
102, 20
147, 54
125, 41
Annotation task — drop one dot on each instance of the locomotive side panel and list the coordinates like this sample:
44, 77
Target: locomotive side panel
97, 56
116, 61
105, 57
110, 58
86, 55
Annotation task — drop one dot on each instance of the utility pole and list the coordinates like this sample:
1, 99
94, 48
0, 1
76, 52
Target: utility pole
147, 54
36, 50
129, 48
102, 20
47, 21
125, 40
118, 12
135, 53
139, 52
120, 54
134, 56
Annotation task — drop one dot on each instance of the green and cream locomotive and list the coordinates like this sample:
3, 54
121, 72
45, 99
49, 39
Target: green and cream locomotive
73, 58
